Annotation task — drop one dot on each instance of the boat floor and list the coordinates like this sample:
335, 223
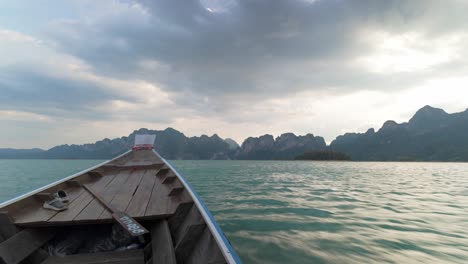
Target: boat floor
140, 185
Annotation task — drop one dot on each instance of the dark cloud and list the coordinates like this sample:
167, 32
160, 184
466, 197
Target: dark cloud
33, 91
244, 52
253, 49
44, 94
224, 62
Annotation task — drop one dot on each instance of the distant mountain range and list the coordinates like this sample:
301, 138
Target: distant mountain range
287, 146
431, 135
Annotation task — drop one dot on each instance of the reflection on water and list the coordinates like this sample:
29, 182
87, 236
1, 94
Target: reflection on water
337, 212
314, 212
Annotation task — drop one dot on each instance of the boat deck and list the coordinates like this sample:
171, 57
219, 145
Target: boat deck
139, 184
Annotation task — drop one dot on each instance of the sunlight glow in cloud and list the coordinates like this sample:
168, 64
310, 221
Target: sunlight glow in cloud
410, 52
237, 68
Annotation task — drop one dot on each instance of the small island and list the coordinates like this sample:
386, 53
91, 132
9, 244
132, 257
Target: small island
323, 155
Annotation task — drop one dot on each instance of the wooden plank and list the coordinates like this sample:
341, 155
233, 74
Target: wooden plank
187, 242
134, 166
176, 220
162, 246
77, 205
206, 251
161, 203
94, 209
130, 225
193, 218
8, 229
123, 197
122, 257
188, 233
34, 213
23, 244
139, 202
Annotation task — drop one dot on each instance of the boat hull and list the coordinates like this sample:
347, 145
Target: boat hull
144, 186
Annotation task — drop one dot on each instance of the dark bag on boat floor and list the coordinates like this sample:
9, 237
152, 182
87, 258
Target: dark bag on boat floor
92, 240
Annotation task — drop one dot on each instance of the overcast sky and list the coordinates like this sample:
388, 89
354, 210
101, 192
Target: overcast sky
79, 71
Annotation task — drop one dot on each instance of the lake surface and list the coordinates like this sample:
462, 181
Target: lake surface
314, 212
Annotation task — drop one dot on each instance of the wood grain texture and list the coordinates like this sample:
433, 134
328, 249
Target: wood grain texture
124, 195
76, 206
33, 213
162, 201
188, 233
206, 251
135, 166
187, 242
23, 244
140, 185
159, 202
178, 217
193, 218
94, 209
139, 202
162, 246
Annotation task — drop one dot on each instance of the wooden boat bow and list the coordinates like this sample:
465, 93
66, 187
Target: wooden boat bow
139, 183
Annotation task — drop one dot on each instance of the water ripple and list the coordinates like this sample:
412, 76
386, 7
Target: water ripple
332, 212
315, 212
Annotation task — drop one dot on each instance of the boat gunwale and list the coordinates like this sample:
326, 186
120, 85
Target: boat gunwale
223, 243
50, 185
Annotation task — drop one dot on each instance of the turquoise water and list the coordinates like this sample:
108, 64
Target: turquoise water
315, 212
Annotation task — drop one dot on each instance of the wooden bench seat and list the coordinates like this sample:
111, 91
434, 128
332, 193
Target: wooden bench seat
122, 257
18, 247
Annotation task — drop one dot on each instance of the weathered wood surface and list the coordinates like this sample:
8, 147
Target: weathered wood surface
162, 246
164, 200
206, 251
123, 257
84, 199
193, 218
188, 241
142, 186
139, 202
125, 193
135, 166
188, 233
21, 245
34, 213
132, 184
95, 208
178, 217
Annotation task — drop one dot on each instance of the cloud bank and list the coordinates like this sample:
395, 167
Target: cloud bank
236, 68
